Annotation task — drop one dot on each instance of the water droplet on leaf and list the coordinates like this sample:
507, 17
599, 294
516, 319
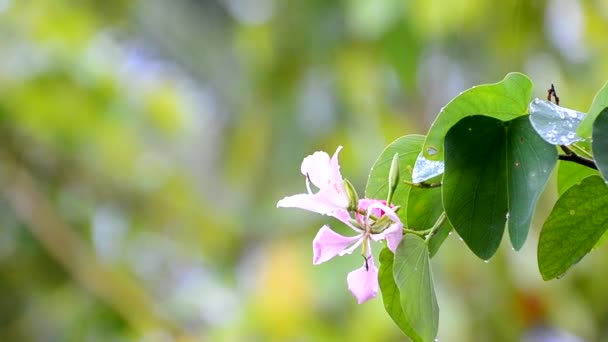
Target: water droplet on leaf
426, 169
556, 125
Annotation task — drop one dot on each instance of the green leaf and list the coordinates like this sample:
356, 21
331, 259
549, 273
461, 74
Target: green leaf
408, 147
557, 125
601, 240
530, 161
423, 208
391, 297
504, 100
569, 174
600, 101
412, 273
420, 208
576, 223
493, 168
437, 240
599, 143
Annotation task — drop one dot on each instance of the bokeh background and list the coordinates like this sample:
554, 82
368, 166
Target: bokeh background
144, 145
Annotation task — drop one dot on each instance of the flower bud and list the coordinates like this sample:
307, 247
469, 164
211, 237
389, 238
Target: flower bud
393, 177
353, 198
381, 224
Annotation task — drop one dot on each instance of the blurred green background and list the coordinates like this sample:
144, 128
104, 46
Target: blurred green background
144, 145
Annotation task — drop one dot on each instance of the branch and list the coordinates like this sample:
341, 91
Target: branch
422, 184
575, 158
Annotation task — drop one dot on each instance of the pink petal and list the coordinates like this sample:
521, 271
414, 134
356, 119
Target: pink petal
324, 173
363, 282
307, 202
365, 203
316, 168
393, 236
335, 194
315, 203
334, 168
344, 216
394, 233
328, 244
381, 208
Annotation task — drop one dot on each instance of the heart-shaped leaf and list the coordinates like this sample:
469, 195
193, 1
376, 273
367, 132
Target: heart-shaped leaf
494, 170
504, 100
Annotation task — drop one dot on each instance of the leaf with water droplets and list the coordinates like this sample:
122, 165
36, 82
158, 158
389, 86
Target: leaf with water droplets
425, 169
576, 223
557, 125
504, 100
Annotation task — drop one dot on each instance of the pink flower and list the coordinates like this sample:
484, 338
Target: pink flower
324, 173
362, 282
379, 221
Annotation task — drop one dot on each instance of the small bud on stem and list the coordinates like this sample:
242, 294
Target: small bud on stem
353, 198
393, 178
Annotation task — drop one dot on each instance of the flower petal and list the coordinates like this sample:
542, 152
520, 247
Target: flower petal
384, 209
306, 202
363, 282
316, 168
328, 244
364, 204
314, 203
393, 236
324, 173
334, 168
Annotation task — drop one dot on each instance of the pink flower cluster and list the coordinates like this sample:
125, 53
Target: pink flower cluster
332, 199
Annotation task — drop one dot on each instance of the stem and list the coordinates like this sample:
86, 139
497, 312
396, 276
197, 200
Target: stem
428, 233
421, 233
423, 184
582, 151
364, 213
436, 226
575, 158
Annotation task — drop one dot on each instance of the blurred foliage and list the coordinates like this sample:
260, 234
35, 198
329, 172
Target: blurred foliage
145, 143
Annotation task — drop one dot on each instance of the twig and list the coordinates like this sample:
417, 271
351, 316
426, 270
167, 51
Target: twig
571, 156
551, 91
422, 184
